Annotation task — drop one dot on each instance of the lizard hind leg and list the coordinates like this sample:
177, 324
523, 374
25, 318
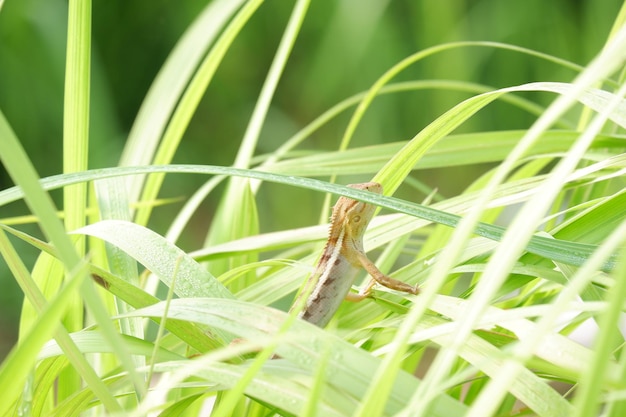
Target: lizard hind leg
363, 294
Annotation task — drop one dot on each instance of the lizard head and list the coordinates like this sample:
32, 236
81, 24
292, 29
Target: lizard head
353, 215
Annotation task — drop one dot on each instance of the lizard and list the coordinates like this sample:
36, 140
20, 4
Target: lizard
341, 260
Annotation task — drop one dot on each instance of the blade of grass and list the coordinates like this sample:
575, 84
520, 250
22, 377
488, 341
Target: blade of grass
450, 151
75, 153
518, 233
589, 393
112, 200
164, 94
237, 201
189, 103
505, 254
15, 368
563, 251
162, 258
23, 173
349, 368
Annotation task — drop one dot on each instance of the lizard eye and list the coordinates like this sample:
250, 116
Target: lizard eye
356, 219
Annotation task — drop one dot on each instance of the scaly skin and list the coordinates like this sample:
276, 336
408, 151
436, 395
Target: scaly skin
341, 260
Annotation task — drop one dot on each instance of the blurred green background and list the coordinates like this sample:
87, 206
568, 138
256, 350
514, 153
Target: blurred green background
344, 46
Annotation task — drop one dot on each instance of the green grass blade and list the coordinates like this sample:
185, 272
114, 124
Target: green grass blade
169, 84
22, 171
75, 152
164, 259
189, 102
349, 368
568, 252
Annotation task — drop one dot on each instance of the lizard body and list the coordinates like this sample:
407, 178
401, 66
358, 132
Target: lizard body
341, 260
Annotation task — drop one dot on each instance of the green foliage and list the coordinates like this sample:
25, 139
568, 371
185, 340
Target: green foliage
506, 205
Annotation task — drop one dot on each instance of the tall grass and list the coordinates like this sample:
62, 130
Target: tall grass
513, 269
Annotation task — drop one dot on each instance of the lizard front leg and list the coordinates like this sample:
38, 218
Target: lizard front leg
379, 277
